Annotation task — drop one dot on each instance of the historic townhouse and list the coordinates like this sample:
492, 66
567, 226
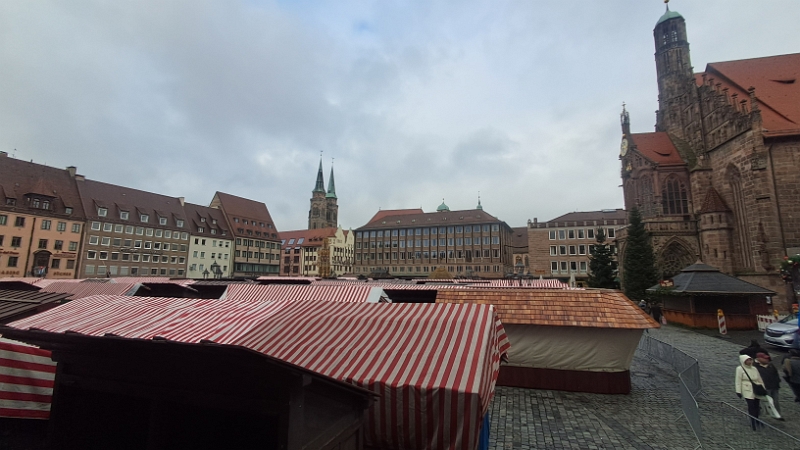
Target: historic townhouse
414, 243
257, 245
132, 232
324, 252
560, 248
41, 220
210, 243
718, 176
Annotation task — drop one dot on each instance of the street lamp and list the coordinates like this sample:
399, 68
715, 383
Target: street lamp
519, 271
215, 270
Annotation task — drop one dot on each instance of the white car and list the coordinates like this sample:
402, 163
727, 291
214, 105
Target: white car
781, 333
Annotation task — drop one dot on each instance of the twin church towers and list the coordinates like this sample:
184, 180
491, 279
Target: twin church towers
324, 210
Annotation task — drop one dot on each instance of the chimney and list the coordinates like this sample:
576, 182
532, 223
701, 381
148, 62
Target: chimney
182, 200
3, 154
72, 170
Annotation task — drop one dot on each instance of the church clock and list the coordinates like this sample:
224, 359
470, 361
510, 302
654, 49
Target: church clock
623, 147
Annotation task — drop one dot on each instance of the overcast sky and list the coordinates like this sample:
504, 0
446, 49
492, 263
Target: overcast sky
416, 101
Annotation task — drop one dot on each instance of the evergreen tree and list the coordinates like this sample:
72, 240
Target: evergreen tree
639, 269
602, 266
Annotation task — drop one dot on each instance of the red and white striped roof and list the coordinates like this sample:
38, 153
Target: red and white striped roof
48, 281
26, 380
278, 278
153, 280
549, 283
87, 289
433, 365
302, 292
27, 280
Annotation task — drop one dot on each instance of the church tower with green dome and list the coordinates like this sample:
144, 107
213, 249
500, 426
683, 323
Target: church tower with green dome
443, 207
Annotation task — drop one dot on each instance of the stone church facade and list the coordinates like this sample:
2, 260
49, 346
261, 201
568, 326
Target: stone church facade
719, 179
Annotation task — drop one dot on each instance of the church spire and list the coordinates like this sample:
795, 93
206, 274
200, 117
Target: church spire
331, 185
320, 186
479, 202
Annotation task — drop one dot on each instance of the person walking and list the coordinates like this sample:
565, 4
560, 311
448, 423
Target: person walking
791, 369
750, 387
770, 377
753, 349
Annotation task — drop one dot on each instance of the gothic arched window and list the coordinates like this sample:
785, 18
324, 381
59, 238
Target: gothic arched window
674, 197
745, 255
673, 259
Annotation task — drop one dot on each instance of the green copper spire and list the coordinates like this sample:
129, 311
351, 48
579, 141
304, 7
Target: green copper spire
331, 185
479, 202
320, 187
443, 207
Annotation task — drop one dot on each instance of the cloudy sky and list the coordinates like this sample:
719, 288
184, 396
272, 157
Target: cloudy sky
416, 101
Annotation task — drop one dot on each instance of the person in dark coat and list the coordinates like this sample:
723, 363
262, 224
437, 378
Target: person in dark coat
772, 380
753, 350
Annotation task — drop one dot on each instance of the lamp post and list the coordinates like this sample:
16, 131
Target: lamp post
519, 271
215, 270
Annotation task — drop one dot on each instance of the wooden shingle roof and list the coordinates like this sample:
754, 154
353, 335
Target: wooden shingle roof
17, 304
560, 308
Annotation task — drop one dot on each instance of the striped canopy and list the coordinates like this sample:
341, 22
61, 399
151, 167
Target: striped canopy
434, 366
26, 380
299, 292
87, 289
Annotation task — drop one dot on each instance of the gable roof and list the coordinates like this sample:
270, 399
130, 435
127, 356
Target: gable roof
19, 178
14, 304
214, 220
657, 147
777, 87
117, 199
559, 308
239, 209
311, 238
394, 212
583, 217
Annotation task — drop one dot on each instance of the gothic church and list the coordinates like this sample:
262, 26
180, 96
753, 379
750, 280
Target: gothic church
324, 210
719, 179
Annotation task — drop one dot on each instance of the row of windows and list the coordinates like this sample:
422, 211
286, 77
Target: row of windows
255, 268
426, 269
144, 218
57, 244
486, 240
45, 225
573, 249
427, 231
255, 243
567, 267
12, 261
89, 269
578, 233
55, 263
16, 241
198, 241
450, 254
138, 243
140, 231
135, 257
201, 267
256, 255
213, 255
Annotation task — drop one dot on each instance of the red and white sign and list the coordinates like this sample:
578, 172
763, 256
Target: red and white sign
723, 329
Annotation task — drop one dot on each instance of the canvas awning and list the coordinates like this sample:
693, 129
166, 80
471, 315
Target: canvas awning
297, 292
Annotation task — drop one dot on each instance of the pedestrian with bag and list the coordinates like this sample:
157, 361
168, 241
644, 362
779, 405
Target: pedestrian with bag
750, 387
772, 382
753, 349
791, 369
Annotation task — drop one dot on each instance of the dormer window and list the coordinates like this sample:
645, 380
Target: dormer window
124, 215
179, 223
200, 229
144, 218
236, 219
45, 204
68, 210
213, 231
202, 219
11, 202
162, 220
214, 221
35, 203
102, 212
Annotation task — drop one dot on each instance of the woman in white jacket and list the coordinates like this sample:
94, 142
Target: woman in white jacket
744, 388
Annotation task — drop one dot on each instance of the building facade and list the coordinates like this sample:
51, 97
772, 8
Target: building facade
323, 252
210, 243
257, 246
41, 220
718, 177
131, 232
412, 243
561, 248
324, 210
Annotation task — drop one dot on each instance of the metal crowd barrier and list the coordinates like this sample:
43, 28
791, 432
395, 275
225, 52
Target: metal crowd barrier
726, 425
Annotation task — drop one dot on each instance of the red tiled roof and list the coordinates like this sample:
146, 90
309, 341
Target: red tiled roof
657, 147
18, 178
417, 219
195, 214
116, 199
394, 212
255, 213
561, 308
591, 216
311, 238
777, 83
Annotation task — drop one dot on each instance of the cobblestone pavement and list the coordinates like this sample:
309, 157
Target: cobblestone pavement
648, 418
